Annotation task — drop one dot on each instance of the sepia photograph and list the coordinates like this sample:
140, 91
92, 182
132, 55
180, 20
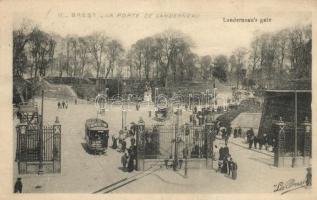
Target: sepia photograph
161, 101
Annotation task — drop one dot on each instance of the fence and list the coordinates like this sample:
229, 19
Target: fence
38, 149
170, 141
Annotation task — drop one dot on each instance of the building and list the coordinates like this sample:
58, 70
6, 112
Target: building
286, 119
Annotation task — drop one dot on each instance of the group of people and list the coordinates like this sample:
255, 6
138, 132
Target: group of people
255, 140
128, 159
237, 132
226, 164
62, 105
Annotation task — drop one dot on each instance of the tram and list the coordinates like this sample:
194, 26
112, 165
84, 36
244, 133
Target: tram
96, 135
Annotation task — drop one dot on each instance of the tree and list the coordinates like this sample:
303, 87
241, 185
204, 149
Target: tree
97, 47
83, 50
206, 66
169, 44
220, 68
238, 60
42, 50
21, 40
114, 51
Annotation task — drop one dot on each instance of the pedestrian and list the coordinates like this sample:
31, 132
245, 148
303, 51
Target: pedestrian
66, 104
224, 168
260, 141
123, 145
234, 170
235, 133
63, 104
239, 132
226, 138
106, 139
18, 185
250, 137
59, 105
124, 160
220, 163
255, 141
266, 141
221, 153
114, 143
229, 131
309, 177
130, 161
229, 165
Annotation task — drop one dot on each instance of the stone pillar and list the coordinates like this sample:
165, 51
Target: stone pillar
140, 144
307, 141
279, 150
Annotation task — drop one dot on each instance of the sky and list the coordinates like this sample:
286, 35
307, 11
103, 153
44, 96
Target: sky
211, 35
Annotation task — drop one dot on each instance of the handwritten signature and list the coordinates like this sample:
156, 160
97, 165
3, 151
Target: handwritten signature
288, 185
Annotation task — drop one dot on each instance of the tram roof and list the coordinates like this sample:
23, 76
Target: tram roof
96, 124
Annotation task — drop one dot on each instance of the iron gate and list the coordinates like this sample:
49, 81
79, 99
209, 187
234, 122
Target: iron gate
166, 141
38, 150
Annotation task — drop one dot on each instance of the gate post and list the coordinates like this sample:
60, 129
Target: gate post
307, 141
186, 152
57, 129
279, 148
140, 130
210, 143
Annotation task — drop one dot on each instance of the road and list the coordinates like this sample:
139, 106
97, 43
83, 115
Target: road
85, 173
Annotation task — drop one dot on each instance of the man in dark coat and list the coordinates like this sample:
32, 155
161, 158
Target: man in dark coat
18, 186
239, 132
235, 133
114, 143
234, 170
106, 139
250, 136
130, 161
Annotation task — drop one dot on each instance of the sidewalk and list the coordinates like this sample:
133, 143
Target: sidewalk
242, 143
